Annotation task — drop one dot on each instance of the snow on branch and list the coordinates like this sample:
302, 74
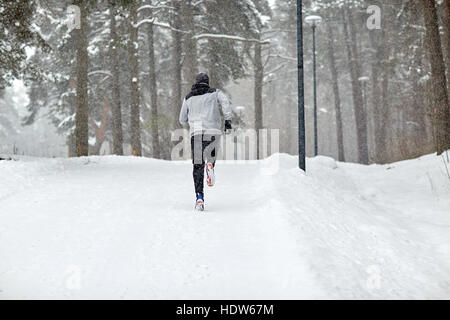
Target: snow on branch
228, 37
100, 72
197, 3
137, 25
148, 6
158, 24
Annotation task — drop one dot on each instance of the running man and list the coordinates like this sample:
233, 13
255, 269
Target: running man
201, 110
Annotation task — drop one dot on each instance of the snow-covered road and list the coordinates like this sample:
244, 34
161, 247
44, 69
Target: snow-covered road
124, 227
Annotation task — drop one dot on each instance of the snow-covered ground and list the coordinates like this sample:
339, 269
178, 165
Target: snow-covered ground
124, 227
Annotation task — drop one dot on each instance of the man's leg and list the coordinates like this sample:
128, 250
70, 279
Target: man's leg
198, 163
210, 152
210, 147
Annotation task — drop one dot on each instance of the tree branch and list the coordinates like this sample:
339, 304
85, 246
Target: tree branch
158, 24
148, 6
228, 37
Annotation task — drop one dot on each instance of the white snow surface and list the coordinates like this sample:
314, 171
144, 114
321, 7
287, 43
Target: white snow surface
124, 227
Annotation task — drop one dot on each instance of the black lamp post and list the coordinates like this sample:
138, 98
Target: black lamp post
314, 21
301, 97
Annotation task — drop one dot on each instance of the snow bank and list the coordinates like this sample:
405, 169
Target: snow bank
123, 227
387, 226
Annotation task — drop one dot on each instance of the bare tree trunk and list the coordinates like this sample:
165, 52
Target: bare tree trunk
259, 73
360, 116
441, 109
176, 64
213, 61
384, 109
135, 134
71, 145
81, 118
419, 137
376, 94
117, 132
418, 111
446, 25
153, 93
190, 45
337, 98
100, 131
213, 51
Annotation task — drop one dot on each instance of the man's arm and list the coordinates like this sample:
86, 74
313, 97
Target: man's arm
184, 113
226, 106
226, 110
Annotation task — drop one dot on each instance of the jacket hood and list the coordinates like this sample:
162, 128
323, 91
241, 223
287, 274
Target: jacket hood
199, 89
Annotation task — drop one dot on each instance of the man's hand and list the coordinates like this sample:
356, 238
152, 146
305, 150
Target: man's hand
228, 126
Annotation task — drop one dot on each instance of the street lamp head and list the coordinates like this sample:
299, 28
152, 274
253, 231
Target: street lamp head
313, 21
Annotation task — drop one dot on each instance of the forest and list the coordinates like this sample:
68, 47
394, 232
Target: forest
86, 77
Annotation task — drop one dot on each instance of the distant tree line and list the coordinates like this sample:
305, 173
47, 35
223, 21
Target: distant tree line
121, 78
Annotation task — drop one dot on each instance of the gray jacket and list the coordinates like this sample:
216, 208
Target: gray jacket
203, 114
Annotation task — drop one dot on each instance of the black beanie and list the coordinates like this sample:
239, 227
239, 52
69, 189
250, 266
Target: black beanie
202, 78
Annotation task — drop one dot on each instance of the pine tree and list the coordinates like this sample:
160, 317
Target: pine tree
153, 92
355, 73
82, 114
117, 131
441, 109
337, 99
135, 127
16, 33
190, 62
175, 18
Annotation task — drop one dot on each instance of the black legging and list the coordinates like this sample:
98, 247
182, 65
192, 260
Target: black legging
203, 147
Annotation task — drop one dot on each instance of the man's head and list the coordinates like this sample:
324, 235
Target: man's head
202, 78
